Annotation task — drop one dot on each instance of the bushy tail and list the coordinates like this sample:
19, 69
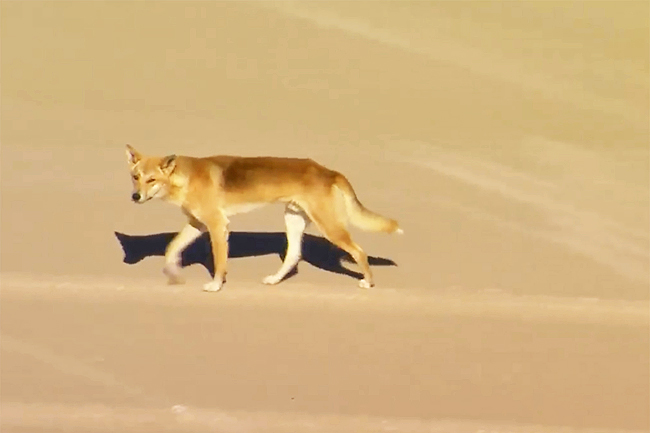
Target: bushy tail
360, 216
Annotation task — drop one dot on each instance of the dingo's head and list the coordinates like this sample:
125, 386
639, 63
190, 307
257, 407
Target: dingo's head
150, 175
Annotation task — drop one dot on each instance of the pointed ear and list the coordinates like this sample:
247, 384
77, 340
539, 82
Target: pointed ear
168, 164
132, 155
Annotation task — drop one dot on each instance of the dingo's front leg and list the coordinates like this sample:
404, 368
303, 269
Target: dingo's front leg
218, 230
183, 239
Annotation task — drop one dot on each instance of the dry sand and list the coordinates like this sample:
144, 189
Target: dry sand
509, 139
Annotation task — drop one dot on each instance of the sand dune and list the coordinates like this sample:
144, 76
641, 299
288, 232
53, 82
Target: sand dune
510, 141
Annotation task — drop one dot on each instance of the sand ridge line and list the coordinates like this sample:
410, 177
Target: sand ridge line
603, 240
180, 417
488, 303
66, 365
478, 61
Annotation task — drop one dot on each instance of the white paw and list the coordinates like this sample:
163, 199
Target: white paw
364, 284
212, 286
173, 274
271, 279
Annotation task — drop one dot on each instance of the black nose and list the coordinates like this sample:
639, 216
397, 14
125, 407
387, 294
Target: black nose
136, 196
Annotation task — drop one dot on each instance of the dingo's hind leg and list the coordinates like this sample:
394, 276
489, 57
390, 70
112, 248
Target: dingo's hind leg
296, 222
327, 220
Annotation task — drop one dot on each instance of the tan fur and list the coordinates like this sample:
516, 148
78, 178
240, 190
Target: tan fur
211, 189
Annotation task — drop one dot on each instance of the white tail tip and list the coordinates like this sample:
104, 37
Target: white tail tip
399, 231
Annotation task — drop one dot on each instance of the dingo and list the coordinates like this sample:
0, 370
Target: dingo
211, 189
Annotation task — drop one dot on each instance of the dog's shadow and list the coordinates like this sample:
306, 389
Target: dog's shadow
317, 251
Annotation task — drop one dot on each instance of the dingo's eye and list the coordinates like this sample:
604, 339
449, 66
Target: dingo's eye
136, 177
152, 180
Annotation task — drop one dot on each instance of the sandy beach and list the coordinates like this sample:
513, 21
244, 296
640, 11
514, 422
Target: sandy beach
510, 140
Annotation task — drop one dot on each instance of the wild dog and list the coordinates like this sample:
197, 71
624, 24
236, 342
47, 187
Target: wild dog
211, 189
